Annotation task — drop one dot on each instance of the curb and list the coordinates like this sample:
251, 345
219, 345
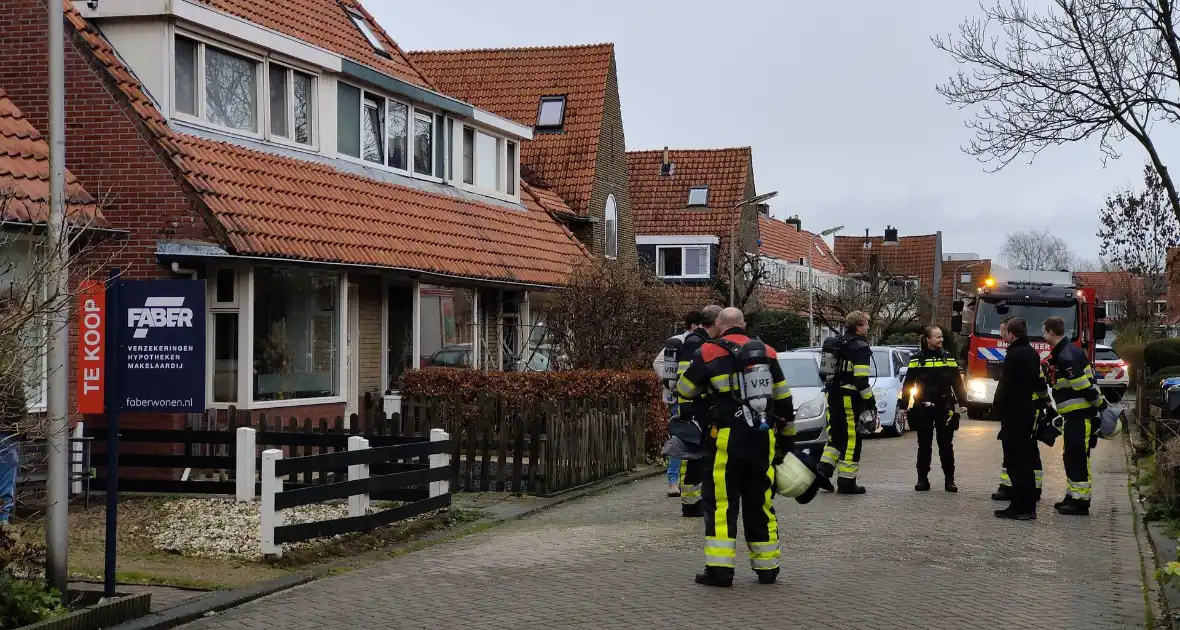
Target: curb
195, 609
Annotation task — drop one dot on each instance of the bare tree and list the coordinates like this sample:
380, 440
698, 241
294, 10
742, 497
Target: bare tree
1032, 250
893, 302
1081, 70
1137, 230
750, 271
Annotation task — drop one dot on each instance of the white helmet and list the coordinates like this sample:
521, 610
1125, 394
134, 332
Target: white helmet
1110, 423
792, 477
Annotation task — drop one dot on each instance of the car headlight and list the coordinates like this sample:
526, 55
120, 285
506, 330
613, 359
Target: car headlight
880, 395
811, 408
977, 386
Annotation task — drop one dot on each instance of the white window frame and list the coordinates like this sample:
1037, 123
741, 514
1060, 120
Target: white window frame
503, 172
245, 310
438, 144
683, 251
612, 240
202, 119
314, 117
692, 189
366, 28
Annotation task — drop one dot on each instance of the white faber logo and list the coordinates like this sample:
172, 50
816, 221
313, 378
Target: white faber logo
159, 312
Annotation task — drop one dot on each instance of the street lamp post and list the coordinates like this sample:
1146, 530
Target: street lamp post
811, 287
737, 212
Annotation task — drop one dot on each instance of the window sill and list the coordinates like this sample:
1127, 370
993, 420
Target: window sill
683, 277
297, 402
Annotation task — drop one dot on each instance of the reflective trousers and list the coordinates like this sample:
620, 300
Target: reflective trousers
692, 476
1081, 433
936, 423
843, 449
739, 481
1034, 453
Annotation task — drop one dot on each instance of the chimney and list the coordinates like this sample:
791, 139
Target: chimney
667, 168
764, 208
795, 222
868, 241
890, 235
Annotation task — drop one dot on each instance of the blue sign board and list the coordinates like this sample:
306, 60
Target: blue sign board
159, 358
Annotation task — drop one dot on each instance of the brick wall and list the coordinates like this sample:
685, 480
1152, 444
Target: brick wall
610, 175
369, 346
951, 270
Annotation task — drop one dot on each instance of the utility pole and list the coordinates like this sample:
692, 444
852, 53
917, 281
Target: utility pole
811, 341
56, 530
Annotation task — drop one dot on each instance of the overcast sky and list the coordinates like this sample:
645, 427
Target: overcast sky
838, 104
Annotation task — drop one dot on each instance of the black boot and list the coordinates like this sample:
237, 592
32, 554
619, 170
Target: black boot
1003, 494
767, 576
949, 485
695, 510
845, 485
923, 484
1016, 513
1075, 507
1062, 503
826, 471
711, 577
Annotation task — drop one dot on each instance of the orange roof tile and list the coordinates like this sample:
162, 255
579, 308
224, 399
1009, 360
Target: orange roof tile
1111, 285
783, 241
24, 174
510, 83
912, 256
659, 203
275, 206
326, 24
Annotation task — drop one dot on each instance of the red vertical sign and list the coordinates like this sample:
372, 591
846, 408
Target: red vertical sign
92, 317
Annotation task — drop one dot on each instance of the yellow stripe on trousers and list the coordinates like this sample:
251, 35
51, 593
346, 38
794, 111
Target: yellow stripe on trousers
721, 498
768, 500
850, 416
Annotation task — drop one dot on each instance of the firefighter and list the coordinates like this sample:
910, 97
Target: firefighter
849, 395
750, 430
1044, 412
692, 471
1079, 402
932, 397
1017, 409
671, 351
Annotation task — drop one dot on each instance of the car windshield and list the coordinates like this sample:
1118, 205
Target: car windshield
450, 358
881, 359
800, 372
991, 313
1105, 354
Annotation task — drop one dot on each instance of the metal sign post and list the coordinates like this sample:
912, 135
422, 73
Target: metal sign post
111, 385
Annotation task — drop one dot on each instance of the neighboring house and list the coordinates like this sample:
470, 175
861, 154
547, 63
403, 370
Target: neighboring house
299, 162
685, 204
962, 274
786, 248
569, 97
914, 263
1114, 288
24, 210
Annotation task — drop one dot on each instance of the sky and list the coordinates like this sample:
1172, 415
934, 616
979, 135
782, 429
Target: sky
839, 106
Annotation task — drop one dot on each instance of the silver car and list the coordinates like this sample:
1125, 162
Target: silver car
807, 394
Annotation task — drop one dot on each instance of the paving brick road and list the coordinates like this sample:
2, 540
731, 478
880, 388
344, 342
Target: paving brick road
893, 558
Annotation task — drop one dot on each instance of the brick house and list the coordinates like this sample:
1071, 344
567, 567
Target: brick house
685, 203
569, 97
786, 248
299, 162
915, 263
961, 275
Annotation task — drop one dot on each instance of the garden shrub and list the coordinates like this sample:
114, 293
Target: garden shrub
1161, 354
23, 596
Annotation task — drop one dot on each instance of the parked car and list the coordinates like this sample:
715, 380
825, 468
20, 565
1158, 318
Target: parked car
452, 355
807, 395
1112, 373
889, 368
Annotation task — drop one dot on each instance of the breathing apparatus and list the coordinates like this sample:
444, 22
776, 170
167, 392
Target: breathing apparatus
757, 381
669, 368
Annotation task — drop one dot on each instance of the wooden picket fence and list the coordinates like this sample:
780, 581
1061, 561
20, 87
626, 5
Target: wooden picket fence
496, 444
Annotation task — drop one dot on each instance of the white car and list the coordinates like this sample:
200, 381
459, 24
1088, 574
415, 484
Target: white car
889, 368
807, 396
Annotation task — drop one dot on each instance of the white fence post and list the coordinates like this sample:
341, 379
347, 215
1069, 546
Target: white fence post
440, 460
76, 471
246, 468
358, 504
271, 518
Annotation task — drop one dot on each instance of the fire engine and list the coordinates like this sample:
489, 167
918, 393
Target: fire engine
1032, 301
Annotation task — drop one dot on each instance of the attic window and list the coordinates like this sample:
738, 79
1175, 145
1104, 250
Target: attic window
362, 24
551, 113
698, 196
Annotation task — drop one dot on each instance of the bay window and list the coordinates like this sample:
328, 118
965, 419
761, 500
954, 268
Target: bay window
448, 320
690, 261
488, 162
296, 334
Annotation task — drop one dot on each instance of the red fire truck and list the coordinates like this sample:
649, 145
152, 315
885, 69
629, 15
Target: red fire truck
1034, 302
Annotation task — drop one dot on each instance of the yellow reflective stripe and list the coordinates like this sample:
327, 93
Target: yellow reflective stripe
1075, 404
1005, 480
683, 471
722, 383
952, 363
686, 389
850, 421
768, 510
913, 364
830, 456
781, 390
788, 429
720, 492
720, 551
866, 393
860, 370
1080, 383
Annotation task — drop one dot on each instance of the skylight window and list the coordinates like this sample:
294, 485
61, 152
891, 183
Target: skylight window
698, 196
551, 114
367, 30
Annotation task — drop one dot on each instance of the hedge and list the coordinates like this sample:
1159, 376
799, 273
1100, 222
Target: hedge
1162, 353
637, 387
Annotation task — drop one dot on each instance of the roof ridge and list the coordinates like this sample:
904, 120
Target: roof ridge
458, 51
673, 150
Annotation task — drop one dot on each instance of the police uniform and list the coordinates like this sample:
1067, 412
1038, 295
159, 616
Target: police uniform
933, 388
692, 471
740, 472
1079, 402
849, 394
1045, 412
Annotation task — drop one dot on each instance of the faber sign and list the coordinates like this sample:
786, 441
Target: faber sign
161, 355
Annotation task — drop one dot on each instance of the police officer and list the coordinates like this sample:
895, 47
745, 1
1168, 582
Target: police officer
692, 471
742, 452
1044, 412
933, 395
1079, 402
849, 394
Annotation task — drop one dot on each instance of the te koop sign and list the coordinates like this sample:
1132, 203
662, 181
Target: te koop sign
92, 321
